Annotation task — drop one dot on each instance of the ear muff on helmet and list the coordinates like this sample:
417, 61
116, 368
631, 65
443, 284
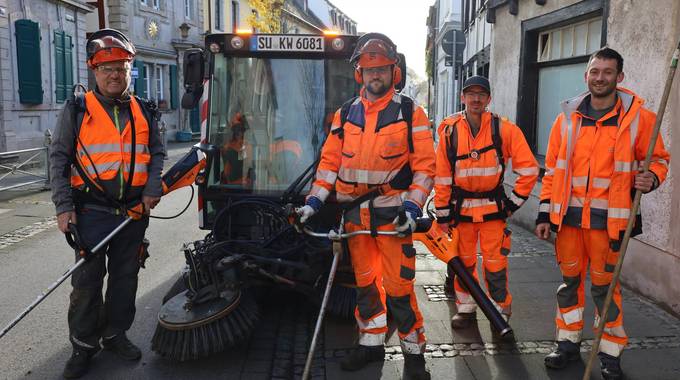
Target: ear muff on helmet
107, 45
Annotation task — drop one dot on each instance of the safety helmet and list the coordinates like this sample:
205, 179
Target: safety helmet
375, 50
108, 45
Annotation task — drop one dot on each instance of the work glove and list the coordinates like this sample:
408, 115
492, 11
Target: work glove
310, 208
405, 221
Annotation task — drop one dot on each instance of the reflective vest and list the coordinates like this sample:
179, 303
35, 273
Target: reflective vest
101, 150
599, 177
371, 148
472, 190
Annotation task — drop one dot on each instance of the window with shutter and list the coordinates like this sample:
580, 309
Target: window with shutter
27, 35
63, 65
140, 81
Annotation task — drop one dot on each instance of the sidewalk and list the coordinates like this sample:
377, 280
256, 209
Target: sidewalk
653, 351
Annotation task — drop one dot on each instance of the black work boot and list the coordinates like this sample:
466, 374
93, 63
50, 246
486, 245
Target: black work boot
122, 346
463, 320
361, 356
79, 363
611, 366
414, 367
567, 351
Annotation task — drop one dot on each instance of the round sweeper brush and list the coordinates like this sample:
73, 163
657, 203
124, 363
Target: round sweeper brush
342, 301
205, 329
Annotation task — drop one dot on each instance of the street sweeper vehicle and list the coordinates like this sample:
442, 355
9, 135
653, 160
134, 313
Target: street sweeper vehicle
266, 104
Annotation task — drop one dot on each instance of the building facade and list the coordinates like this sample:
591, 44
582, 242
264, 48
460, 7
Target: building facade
444, 24
477, 32
539, 52
42, 55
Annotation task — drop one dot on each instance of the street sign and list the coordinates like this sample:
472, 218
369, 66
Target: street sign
448, 41
135, 72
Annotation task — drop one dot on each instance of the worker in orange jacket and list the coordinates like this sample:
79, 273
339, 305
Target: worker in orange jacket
592, 161
474, 147
379, 158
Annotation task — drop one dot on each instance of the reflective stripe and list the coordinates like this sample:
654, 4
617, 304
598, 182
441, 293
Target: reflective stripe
576, 202
470, 203
515, 199
572, 336
366, 339
421, 128
549, 172
328, 176
319, 192
555, 207
102, 167
335, 126
661, 161
443, 180
619, 213
572, 316
616, 331
372, 177
599, 203
411, 343
622, 166
561, 164
633, 129
79, 342
610, 348
601, 183
387, 201
418, 196
579, 181
442, 213
111, 148
478, 172
527, 171
423, 180
375, 323
139, 168
544, 207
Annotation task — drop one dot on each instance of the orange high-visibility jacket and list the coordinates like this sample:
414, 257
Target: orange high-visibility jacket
102, 147
372, 150
594, 167
481, 171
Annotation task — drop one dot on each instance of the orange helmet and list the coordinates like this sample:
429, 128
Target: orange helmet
375, 52
108, 45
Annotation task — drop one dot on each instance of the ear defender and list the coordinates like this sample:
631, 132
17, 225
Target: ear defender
357, 76
396, 76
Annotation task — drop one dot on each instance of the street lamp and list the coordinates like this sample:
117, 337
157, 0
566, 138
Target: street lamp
184, 30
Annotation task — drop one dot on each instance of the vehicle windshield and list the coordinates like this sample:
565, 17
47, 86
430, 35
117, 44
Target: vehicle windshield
269, 117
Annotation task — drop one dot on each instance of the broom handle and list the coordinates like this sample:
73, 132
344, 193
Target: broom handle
633, 214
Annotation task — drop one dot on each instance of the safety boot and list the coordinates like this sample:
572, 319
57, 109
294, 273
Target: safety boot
414, 367
567, 351
79, 363
610, 366
122, 347
463, 320
361, 356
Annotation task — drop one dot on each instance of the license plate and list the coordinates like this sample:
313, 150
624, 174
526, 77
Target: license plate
287, 43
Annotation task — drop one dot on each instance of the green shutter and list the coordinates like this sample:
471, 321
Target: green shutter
68, 64
140, 82
174, 91
59, 82
27, 35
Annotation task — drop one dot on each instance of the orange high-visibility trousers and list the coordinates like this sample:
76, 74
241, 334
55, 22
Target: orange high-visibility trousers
575, 247
494, 242
384, 268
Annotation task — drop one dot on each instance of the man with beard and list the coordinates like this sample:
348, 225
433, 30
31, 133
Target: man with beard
106, 158
379, 159
474, 147
591, 175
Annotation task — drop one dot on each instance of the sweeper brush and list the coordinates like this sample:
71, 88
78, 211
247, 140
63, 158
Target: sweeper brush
207, 329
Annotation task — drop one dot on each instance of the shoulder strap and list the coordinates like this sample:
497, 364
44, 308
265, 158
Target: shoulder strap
344, 112
452, 148
407, 115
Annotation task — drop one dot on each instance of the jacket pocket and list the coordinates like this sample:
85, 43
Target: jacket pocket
392, 141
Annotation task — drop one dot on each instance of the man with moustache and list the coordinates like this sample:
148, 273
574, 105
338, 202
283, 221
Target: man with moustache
106, 157
595, 147
379, 159
474, 147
